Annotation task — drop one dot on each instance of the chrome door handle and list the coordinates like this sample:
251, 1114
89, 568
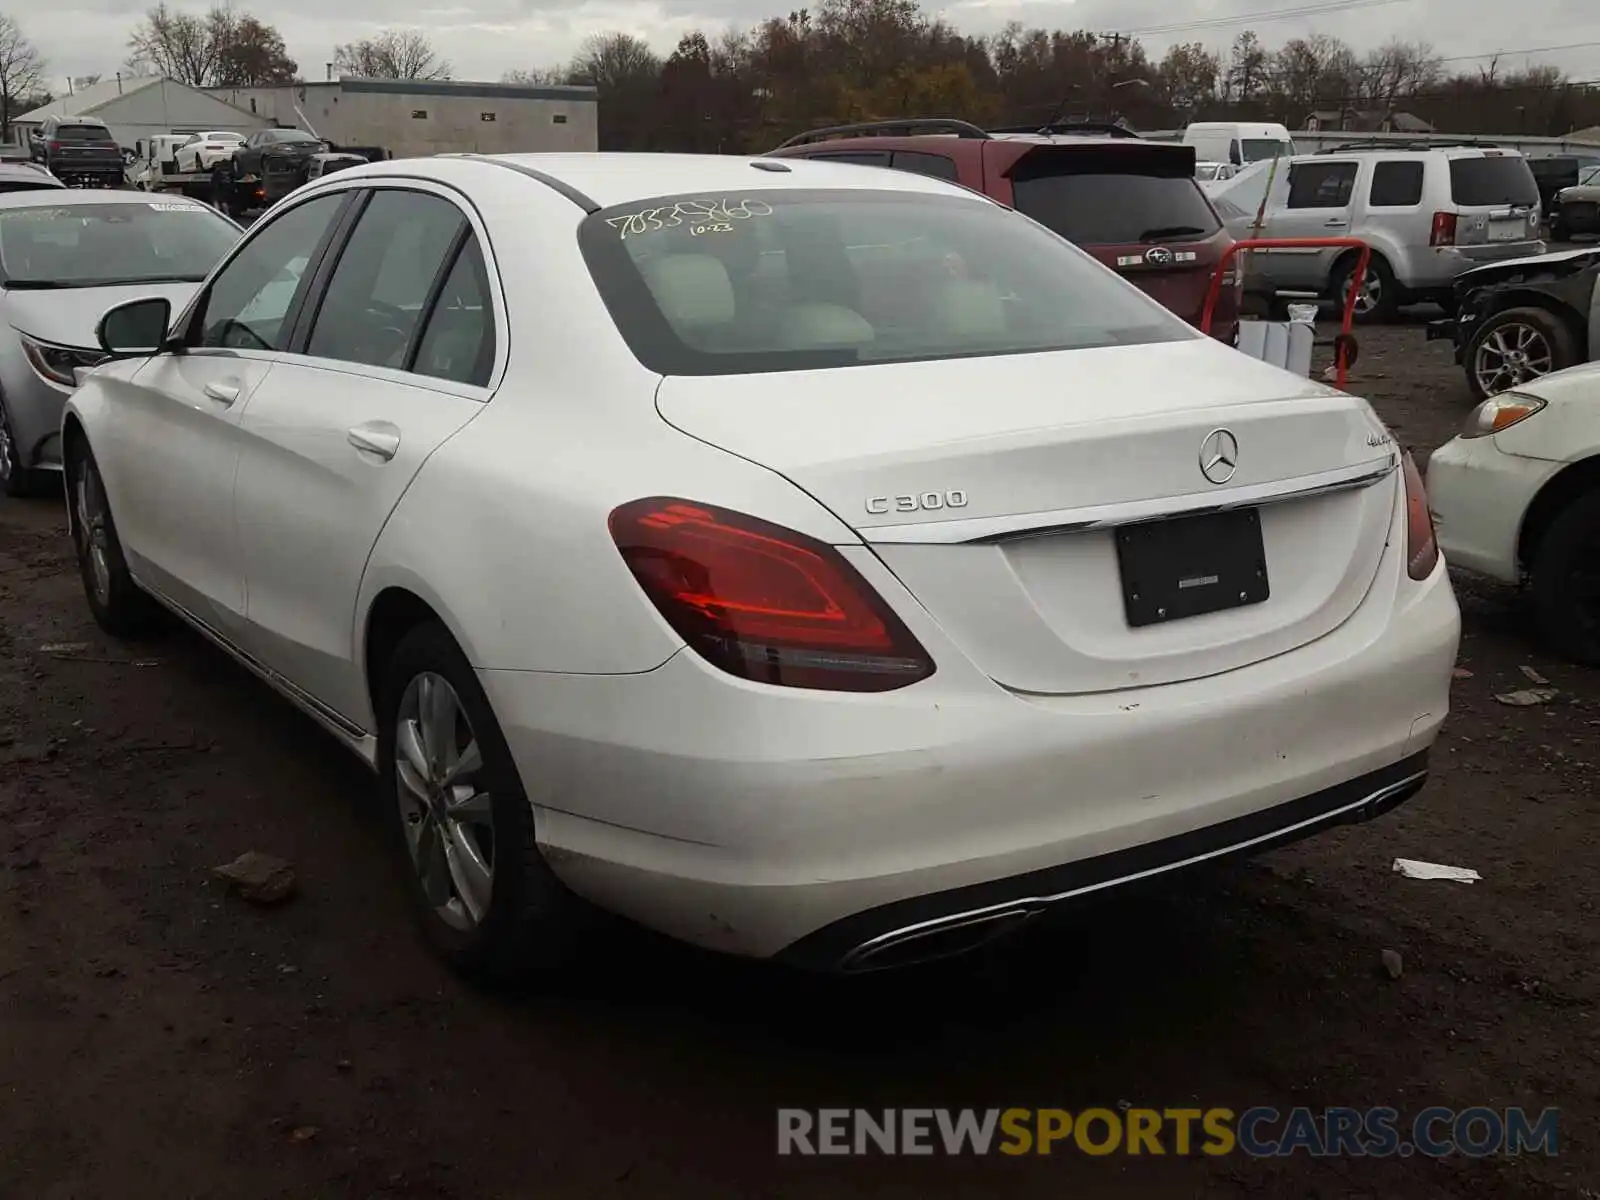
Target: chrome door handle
222, 392
375, 437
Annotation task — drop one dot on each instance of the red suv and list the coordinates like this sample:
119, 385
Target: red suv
1131, 203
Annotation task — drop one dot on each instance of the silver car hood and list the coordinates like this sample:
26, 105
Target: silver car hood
67, 316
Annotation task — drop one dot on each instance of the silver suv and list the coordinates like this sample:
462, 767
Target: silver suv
1428, 214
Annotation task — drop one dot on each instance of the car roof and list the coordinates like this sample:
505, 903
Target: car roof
612, 178
70, 197
1411, 152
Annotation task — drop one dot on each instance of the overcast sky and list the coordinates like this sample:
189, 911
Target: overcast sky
485, 38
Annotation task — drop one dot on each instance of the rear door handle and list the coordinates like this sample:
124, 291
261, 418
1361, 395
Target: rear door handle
223, 391
1334, 224
375, 437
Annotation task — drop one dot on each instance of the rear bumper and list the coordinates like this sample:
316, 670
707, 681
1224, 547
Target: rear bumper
1436, 267
773, 822
925, 927
107, 176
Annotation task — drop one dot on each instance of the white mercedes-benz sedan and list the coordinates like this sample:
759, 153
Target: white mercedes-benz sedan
809, 561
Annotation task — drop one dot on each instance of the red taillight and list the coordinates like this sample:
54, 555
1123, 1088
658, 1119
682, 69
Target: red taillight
1444, 229
763, 602
1422, 547
54, 147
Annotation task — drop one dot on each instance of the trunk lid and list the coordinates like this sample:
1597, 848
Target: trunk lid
1008, 493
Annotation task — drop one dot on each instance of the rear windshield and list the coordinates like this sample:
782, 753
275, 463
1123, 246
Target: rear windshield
1108, 210
1485, 181
82, 133
781, 280
1259, 149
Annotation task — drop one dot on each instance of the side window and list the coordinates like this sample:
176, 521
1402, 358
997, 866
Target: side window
1396, 185
249, 298
866, 158
375, 297
1321, 185
940, 166
458, 341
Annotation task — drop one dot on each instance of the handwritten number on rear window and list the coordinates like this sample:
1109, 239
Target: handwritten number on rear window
704, 216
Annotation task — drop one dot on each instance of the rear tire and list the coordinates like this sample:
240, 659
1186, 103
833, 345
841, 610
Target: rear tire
1381, 293
487, 902
1566, 581
119, 606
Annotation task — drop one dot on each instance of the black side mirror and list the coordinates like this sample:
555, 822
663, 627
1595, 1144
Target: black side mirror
135, 328
1234, 156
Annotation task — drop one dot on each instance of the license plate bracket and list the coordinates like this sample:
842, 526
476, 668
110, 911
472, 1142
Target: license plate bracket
1191, 566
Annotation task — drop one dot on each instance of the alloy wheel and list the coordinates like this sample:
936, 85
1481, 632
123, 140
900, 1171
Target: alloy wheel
447, 816
93, 537
1369, 294
7, 450
1510, 355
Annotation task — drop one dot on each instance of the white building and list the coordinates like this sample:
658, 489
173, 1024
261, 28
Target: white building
415, 117
136, 107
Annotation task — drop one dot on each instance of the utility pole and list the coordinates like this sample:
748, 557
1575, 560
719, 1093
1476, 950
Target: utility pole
1113, 56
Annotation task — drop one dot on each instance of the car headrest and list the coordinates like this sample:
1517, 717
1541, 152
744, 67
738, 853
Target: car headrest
693, 290
818, 326
965, 308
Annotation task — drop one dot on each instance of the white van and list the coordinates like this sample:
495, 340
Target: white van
1238, 142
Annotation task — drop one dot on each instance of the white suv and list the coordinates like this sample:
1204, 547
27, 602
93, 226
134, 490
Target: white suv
1427, 214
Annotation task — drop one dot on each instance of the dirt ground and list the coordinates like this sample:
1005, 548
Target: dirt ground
160, 1039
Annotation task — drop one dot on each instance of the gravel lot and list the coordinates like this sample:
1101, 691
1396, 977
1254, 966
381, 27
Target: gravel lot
159, 1038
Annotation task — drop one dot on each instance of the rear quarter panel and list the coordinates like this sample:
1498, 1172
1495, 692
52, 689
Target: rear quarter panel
504, 531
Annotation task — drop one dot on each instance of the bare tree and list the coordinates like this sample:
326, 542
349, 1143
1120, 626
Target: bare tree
615, 62
392, 54
180, 45
220, 49
1400, 69
253, 54
21, 70
537, 77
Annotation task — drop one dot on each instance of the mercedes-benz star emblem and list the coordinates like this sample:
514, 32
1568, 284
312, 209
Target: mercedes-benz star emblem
1158, 256
1219, 455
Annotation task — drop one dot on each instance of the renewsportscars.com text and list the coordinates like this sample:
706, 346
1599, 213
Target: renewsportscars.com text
1257, 1132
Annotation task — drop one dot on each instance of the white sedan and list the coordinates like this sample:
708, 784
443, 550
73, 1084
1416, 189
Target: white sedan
205, 150
805, 560
1517, 498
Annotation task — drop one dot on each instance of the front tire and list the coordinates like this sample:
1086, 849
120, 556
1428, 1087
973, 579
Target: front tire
118, 604
16, 479
461, 822
1566, 581
1516, 346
